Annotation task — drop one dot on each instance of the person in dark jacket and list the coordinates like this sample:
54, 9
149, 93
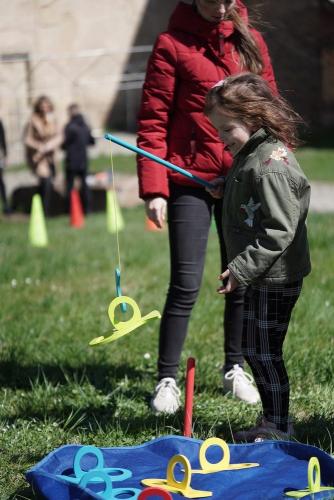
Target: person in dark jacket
77, 137
204, 43
3, 156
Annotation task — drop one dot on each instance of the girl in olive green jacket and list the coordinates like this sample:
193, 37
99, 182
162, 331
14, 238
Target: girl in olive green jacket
265, 203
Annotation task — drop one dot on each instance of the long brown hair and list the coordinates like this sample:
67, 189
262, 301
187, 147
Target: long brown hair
246, 46
39, 101
248, 97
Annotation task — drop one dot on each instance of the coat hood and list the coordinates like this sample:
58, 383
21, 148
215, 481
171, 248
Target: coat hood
185, 18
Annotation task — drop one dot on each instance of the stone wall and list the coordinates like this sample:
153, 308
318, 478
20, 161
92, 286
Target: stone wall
73, 51
95, 53
300, 35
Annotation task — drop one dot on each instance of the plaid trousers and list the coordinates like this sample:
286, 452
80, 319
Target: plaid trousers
267, 314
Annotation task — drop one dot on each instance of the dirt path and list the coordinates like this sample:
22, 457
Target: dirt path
322, 197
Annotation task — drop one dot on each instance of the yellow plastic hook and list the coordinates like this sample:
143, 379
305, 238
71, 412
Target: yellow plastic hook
171, 484
122, 328
224, 464
314, 480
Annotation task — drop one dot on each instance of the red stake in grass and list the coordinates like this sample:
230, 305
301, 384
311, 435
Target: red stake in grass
188, 404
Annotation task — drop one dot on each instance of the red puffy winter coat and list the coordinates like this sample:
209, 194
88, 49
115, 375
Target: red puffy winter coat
186, 62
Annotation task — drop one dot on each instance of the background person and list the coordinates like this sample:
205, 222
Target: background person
265, 205
77, 137
42, 139
204, 43
3, 157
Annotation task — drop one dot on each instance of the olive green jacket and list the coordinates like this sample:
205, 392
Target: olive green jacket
266, 199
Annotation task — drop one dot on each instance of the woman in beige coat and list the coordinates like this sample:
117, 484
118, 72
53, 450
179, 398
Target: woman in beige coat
42, 138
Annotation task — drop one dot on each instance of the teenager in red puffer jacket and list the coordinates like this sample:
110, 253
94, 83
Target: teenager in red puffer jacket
204, 43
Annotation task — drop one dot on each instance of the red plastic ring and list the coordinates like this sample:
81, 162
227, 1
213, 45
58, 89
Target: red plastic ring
149, 492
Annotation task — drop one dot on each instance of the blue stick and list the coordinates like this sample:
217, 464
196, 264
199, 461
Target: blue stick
165, 163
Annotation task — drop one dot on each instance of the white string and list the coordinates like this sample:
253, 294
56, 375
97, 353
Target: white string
115, 208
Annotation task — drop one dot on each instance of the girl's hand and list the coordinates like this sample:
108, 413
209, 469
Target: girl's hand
217, 189
156, 210
231, 284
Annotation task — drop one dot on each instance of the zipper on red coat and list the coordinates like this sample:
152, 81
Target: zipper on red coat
193, 143
221, 44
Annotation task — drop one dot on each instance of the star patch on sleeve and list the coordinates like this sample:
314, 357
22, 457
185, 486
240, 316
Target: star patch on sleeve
250, 210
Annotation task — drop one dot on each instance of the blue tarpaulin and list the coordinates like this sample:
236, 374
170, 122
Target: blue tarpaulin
283, 467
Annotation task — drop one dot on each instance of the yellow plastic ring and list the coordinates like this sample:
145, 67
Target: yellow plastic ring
313, 475
224, 462
171, 481
136, 316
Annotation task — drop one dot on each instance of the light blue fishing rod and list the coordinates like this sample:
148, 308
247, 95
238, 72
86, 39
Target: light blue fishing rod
165, 163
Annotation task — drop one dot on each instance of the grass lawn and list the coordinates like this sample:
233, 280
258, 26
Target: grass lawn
55, 389
318, 164
125, 164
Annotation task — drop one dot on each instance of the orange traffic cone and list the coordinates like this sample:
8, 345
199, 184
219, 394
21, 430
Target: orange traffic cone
76, 213
151, 226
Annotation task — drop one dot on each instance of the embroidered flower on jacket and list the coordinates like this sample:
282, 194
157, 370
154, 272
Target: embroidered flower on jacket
250, 210
279, 154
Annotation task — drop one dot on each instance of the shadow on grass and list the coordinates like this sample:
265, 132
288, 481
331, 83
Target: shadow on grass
119, 411
25, 494
14, 375
107, 379
316, 431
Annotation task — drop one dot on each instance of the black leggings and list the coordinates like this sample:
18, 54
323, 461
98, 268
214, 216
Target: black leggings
189, 219
85, 194
5, 206
46, 188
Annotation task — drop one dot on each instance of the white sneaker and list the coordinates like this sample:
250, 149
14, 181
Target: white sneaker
241, 385
166, 397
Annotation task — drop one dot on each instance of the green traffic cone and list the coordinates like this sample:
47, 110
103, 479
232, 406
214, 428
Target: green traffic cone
214, 225
38, 236
115, 220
